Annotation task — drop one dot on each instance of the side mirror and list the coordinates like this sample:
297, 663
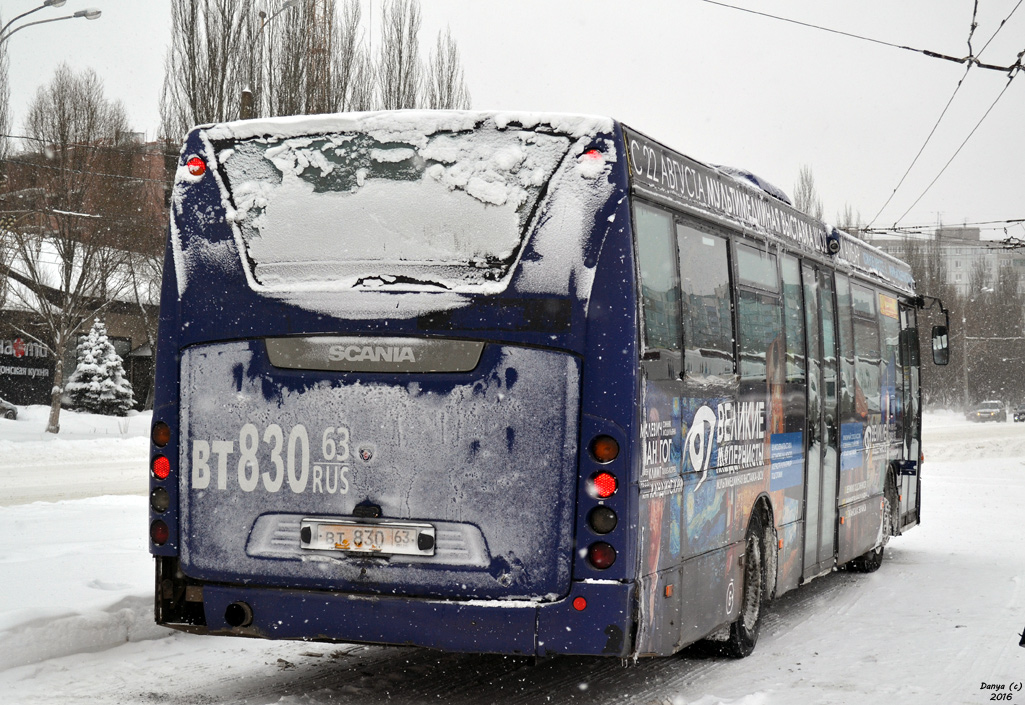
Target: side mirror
940, 349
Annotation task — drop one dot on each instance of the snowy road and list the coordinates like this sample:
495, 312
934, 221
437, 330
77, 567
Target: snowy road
934, 624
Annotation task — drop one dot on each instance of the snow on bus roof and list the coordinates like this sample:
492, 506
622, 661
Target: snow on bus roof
405, 124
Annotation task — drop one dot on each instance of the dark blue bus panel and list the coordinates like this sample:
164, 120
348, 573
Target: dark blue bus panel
513, 383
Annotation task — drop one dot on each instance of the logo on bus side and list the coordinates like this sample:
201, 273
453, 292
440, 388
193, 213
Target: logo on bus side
738, 429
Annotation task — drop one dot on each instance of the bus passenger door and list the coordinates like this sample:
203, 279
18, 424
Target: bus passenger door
823, 456
911, 416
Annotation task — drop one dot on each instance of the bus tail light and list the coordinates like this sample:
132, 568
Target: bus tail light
579, 604
602, 520
161, 467
196, 166
604, 449
603, 485
161, 434
159, 533
159, 500
601, 555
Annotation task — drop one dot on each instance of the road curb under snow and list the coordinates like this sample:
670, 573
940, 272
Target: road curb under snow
131, 619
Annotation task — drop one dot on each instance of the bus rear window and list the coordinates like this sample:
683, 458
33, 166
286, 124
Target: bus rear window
442, 211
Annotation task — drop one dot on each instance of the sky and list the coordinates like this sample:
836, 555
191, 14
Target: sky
721, 85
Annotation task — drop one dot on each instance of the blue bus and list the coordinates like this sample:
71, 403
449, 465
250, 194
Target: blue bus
514, 383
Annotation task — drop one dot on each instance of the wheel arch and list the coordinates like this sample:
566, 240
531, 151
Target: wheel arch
762, 507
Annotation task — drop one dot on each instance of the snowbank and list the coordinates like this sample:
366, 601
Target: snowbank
75, 574
91, 456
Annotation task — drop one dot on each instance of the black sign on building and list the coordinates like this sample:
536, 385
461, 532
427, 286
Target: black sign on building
26, 370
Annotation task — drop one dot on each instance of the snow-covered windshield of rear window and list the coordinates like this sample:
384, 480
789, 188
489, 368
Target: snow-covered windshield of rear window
351, 210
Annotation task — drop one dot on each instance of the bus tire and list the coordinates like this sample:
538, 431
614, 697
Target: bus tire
871, 560
744, 632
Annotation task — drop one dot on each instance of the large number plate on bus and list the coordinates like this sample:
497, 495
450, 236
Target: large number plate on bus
368, 536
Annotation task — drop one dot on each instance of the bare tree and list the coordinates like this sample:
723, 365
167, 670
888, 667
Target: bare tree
66, 266
399, 69
444, 87
208, 63
314, 58
5, 99
302, 58
850, 222
806, 199
352, 75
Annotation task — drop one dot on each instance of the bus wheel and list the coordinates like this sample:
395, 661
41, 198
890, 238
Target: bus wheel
871, 560
744, 632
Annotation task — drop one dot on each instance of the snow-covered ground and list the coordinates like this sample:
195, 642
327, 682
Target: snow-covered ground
937, 623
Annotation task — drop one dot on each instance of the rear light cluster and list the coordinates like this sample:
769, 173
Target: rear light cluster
160, 498
602, 519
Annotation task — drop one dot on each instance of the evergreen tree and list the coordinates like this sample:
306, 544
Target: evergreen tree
98, 384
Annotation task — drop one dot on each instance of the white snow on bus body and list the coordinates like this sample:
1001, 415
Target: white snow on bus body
438, 235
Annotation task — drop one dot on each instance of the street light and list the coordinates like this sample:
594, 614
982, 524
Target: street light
89, 14
265, 19
48, 3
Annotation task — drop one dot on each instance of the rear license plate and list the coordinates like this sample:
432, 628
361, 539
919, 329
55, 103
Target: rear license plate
384, 537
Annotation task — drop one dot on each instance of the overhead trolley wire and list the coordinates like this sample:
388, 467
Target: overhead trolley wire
963, 143
1012, 69
970, 59
921, 149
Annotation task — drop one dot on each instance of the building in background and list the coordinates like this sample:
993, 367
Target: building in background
964, 253
126, 215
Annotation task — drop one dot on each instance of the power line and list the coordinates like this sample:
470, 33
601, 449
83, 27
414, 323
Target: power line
966, 224
958, 151
107, 148
922, 149
87, 173
943, 113
972, 60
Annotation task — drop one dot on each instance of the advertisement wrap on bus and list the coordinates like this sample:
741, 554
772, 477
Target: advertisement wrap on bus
514, 383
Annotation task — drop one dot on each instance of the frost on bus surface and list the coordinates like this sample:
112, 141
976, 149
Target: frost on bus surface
431, 451
355, 210
403, 213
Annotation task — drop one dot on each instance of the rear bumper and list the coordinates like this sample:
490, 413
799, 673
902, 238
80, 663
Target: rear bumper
603, 627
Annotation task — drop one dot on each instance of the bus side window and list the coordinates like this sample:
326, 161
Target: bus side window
892, 371
867, 355
759, 314
660, 297
846, 336
794, 314
707, 317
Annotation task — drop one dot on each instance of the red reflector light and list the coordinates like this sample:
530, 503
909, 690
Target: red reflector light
159, 532
196, 166
601, 555
579, 604
161, 467
605, 449
604, 484
593, 154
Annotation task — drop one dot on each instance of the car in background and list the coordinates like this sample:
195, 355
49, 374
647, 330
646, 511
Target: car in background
1019, 412
8, 410
988, 411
